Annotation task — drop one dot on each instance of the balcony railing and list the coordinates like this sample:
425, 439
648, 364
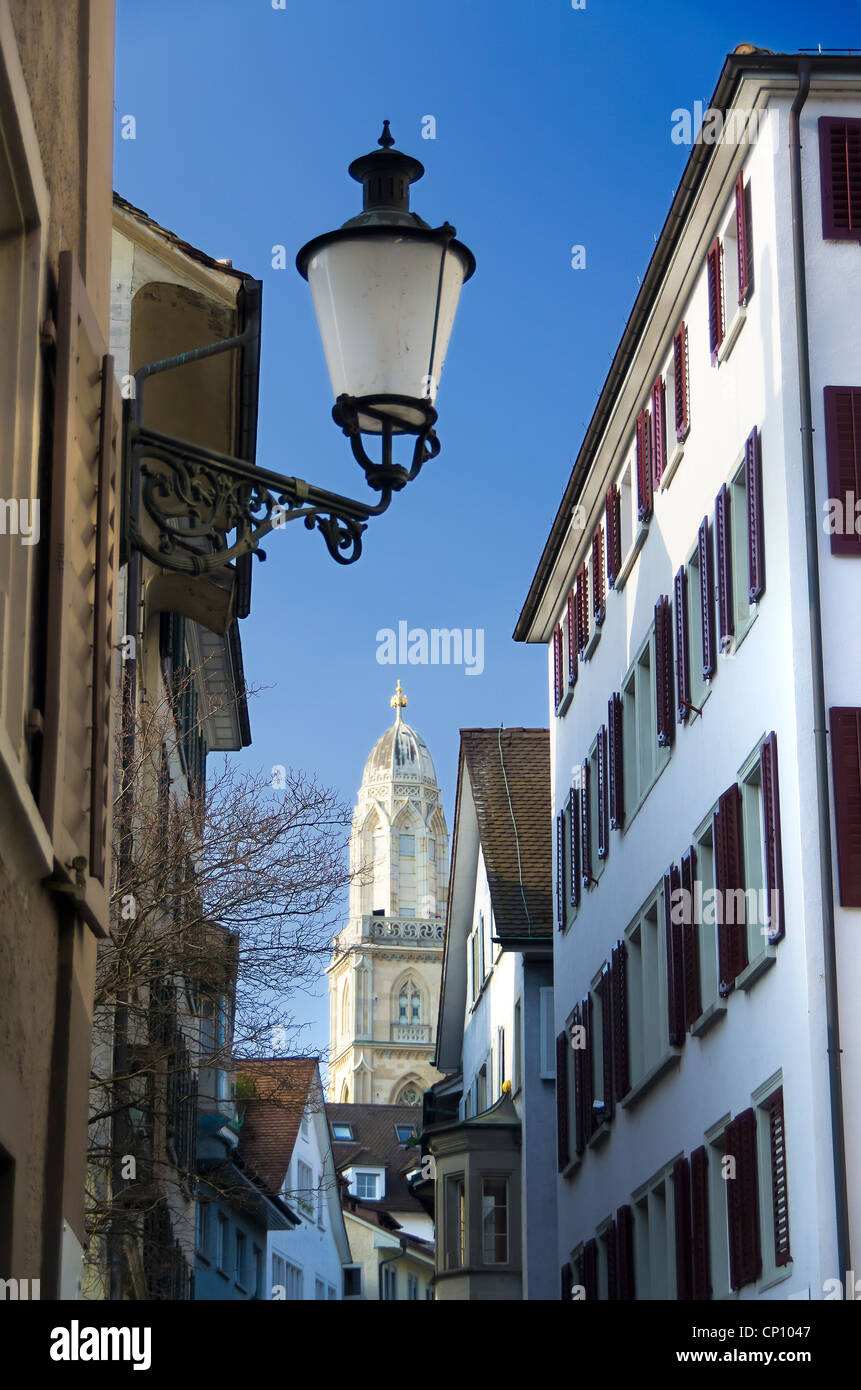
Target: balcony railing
410, 1033
403, 929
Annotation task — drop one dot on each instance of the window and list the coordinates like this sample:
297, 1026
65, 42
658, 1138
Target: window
840, 175
843, 459
412, 1287
432, 851
279, 1277
332, 1291
305, 1125
646, 981
258, 1272
481, 1090
698, 686
241, 1274
221, 1232
679, 394
499, 1072
305, 1184
654, 1242
642, 759
367, 1185
353, 1281
390, 1282
342, 1132
705, 916
319, 1290
845, 726
405, 1133
714, 277
773, 1183
494, 1220
454, 1218
429, 1293
517, 1054
287, 1280
295, 1282
408, 845
321, 1206
204, 1234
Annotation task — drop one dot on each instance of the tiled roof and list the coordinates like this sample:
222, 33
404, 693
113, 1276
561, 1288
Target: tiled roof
272, 1120
226, 267
375, 1142
509, 773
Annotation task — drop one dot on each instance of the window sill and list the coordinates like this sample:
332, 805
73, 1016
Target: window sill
594, 639
708, 1018
668, 1062
732, 333
600, 1135
752, 972
571, 1167
631, 816
628, 563
774, 1277
742, 629
670, 467
565, 702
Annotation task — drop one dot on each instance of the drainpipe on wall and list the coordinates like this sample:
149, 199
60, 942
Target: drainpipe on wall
829, 944
387, 1260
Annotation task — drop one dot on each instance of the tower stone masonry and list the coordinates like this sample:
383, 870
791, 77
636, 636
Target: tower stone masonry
384, 977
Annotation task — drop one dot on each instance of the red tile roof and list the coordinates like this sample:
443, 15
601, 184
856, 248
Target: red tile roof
272, 1120
375, 1143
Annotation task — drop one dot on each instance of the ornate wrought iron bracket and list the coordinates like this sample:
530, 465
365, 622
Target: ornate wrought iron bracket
200, 509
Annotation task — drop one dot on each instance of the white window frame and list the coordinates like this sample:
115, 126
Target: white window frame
646, 978
655, 1237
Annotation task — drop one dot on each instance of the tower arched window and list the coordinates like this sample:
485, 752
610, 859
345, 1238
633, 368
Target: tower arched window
409, 1003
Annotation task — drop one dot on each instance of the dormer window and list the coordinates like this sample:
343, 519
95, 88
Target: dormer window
405, 1133
342, 1132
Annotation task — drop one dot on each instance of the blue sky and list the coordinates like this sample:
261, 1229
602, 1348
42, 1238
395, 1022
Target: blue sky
552, 130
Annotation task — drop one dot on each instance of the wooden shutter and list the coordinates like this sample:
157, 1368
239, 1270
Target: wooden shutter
562, 1131
723, 544
611, 1239
644, 467
779, 1188
613, 527
557, 667
771, 836
675, 960
682, 1221
572, 639
664, 692
683, 658
590, 1269
701, 1283
574, 846
587, 1091
579, 1054
607, 1040
743, 240
603, 794
845, 726
560, 870
585, 825
840, 176
76, 779
615, 765
690, 940
567, 1283
659, 429
843, 458
680, 383
598, 577
732, 937
625, 1238
715, 293
619, 990
753, 490
707, 605
742, 1195
582, 607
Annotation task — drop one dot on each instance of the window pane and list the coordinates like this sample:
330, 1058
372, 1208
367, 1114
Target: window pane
494, 1220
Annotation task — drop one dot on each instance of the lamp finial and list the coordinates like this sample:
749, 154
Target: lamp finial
398, 702
386, 139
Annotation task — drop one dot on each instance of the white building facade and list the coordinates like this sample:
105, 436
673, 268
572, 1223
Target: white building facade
703, 1104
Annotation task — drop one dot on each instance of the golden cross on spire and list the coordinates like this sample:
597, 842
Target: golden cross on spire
398, 700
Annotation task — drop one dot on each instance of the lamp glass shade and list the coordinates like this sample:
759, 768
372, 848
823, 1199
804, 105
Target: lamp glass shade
385, 306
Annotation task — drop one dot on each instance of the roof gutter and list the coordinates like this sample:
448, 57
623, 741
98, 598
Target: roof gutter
829, 942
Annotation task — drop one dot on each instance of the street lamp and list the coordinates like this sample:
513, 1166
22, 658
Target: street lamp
385, 288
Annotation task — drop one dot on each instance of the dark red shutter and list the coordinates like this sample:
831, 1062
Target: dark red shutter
665, 717
753, 489
611, 1239
613, 527
582, 607
690, 940
843, 457
590, 1269
675, 960
560, 870
588, 1088
625, 1239
615, 765
680, 377
702, 1288
574, 846
779, 1186
723, 543
557, 668
567, 1283
707, 603
618, 974
743, 242
644, 467
845, 725
659, 429
771, 837
729, 877
562, 1135
742, 1194
607, 1040
603, 794
682, 1216
715, 291
840, 174
683, 656
572, 639
585, 825
579, 1055
598, 577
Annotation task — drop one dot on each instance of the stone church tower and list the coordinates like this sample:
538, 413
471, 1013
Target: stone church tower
384, 979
